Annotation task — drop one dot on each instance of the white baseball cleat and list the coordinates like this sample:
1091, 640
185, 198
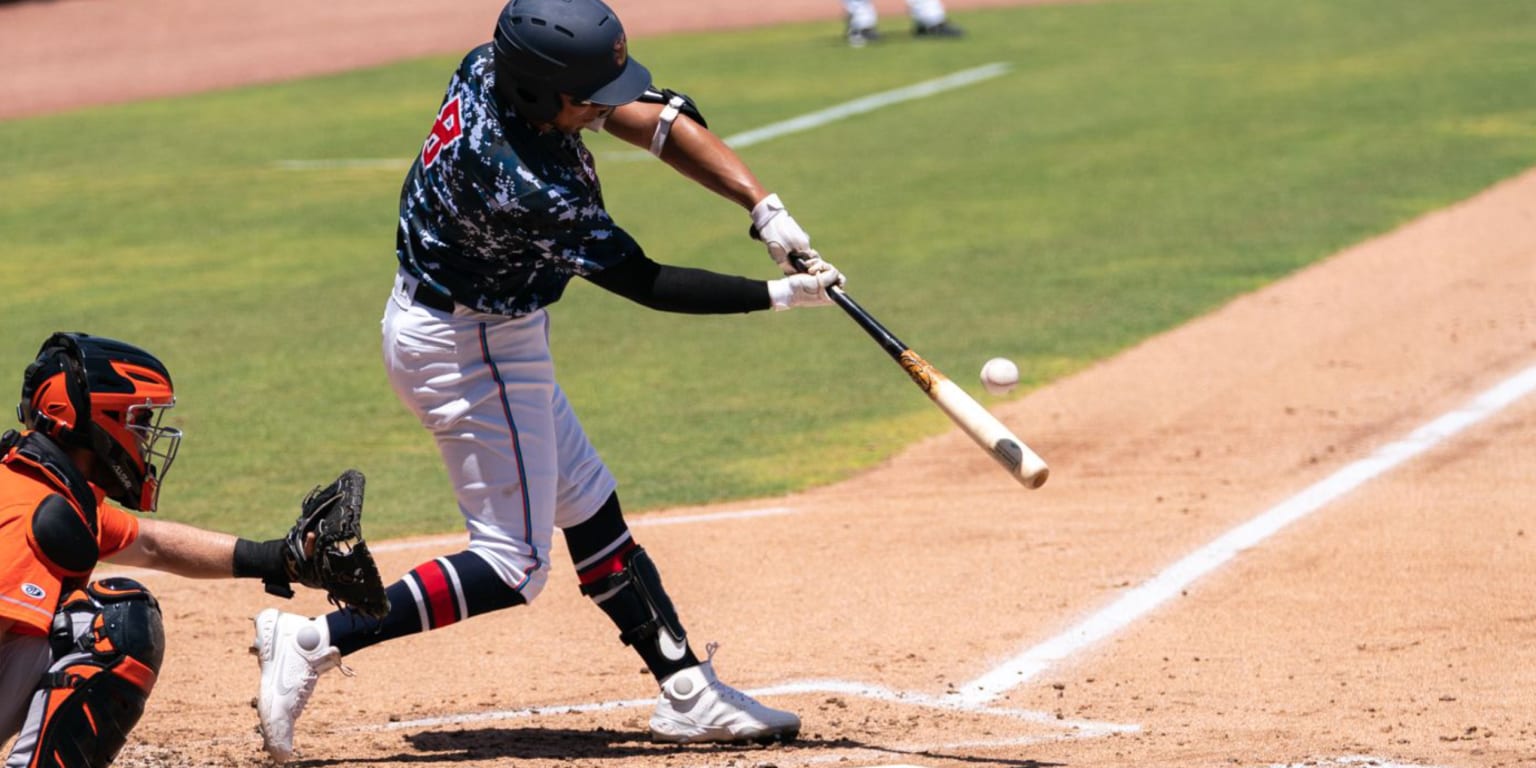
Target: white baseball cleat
293, 652
695, 707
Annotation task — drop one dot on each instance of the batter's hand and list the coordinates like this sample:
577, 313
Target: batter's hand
811, 263
804, 289
780, 232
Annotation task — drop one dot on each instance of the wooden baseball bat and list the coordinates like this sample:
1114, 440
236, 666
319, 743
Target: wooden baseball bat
1021, 462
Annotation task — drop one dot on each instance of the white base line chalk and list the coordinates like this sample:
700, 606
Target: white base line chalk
1143, 599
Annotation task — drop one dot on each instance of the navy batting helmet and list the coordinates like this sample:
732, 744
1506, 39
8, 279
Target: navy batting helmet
544, 48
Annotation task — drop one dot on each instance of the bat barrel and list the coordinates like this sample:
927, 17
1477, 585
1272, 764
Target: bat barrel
1022, 463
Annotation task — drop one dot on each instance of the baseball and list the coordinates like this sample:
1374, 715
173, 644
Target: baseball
999, 375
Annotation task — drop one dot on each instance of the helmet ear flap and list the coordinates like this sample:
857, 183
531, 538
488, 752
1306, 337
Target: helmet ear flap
61, 350
534, 106
76, 385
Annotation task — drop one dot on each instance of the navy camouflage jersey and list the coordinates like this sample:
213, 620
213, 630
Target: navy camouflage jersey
497, 214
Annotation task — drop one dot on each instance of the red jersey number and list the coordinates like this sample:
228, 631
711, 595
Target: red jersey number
448, 129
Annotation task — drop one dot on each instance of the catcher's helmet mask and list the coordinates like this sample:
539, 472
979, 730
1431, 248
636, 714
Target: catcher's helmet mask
543, 48
108, 397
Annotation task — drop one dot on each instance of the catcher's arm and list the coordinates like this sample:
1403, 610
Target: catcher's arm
325, 549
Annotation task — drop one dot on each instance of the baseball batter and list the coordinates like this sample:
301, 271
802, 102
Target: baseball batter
501, 209
79, 658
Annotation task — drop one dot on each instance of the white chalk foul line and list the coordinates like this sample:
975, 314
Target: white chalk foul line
847, 109
1085, 728
868, 104
1143, 599
1348, 760
804, 122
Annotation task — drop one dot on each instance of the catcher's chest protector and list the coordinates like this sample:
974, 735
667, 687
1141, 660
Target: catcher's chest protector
63, 532
108, 643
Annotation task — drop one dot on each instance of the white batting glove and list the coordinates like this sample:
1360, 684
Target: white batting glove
814, 265
779, 231
804, 289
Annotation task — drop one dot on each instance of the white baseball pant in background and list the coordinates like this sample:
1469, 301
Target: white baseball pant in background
862, 13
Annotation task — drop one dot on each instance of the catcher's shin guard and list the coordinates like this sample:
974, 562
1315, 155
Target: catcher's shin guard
108, 643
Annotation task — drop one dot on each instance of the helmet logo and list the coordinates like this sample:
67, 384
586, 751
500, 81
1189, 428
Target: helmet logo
620, 50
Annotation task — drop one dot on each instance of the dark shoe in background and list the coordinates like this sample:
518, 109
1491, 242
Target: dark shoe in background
858, 37
943, 29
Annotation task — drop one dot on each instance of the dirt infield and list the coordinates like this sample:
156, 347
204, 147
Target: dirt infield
1297, 530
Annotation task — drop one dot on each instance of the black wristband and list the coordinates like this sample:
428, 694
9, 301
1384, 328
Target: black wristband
263, 560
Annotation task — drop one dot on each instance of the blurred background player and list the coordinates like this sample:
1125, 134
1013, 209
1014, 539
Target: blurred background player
929, 20
501, 209
78, 658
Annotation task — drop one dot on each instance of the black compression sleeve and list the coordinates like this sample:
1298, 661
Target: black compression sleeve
681, 289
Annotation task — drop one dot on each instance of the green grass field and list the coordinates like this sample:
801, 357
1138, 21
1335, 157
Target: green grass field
1141, 164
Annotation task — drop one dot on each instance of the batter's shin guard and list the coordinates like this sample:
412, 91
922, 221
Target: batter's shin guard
108, 643
634, 599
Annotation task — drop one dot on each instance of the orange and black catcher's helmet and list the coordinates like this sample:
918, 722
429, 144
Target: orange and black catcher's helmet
108, 397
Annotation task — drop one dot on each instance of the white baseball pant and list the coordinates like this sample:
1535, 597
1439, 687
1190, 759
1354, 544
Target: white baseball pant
519, 461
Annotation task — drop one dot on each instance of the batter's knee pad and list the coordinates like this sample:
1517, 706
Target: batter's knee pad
640, 580
108, 642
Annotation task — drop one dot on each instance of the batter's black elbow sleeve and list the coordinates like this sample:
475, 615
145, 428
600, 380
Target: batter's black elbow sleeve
682, 289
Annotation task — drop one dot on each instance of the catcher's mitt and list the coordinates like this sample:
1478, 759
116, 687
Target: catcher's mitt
325, 549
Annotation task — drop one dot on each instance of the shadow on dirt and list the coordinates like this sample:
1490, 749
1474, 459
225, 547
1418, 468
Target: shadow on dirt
496, 744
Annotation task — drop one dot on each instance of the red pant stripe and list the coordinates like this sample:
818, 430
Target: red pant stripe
442, 609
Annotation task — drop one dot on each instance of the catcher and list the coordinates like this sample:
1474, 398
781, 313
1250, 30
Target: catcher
78, 658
